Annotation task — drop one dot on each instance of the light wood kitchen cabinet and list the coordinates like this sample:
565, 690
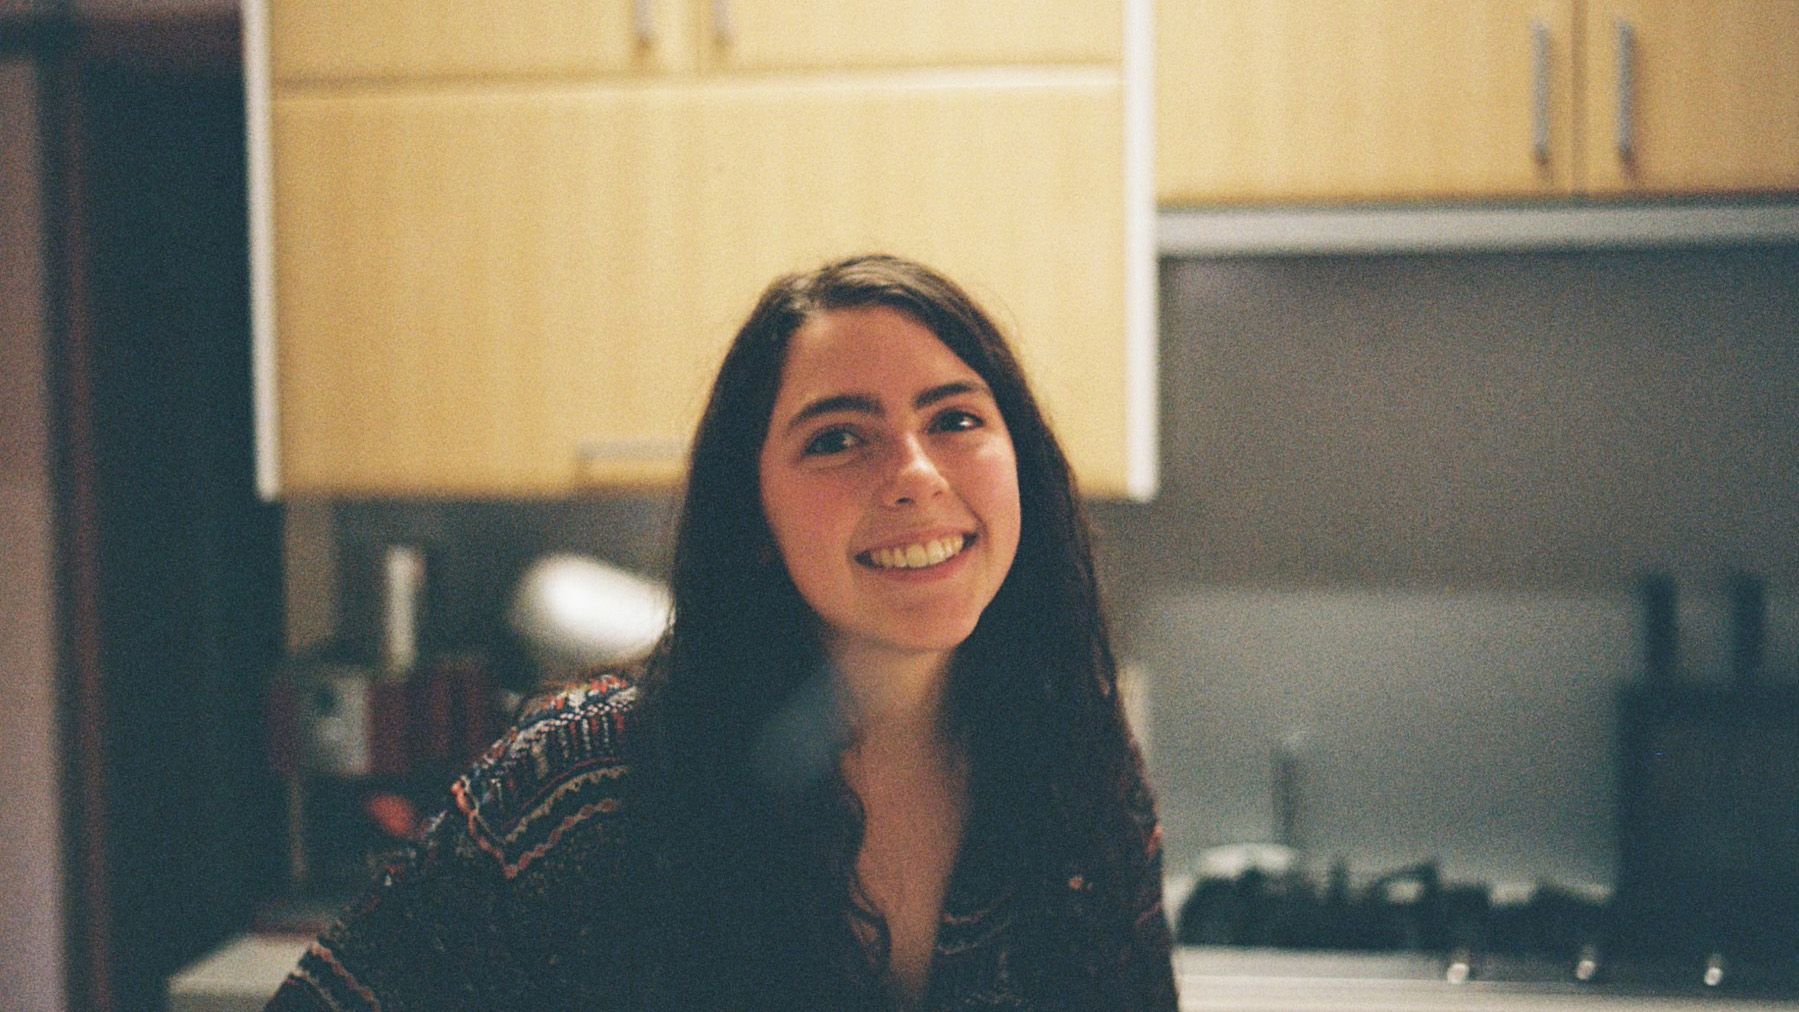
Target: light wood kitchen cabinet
466, 309
409, 39
481, 282
484, 40
821, 34
1261, 101
1338, 101
1691, 98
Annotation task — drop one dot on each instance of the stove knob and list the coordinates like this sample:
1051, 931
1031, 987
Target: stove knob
1461, 966
1714, 969
1586, 965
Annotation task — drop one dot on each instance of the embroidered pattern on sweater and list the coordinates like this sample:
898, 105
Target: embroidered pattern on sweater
561, 766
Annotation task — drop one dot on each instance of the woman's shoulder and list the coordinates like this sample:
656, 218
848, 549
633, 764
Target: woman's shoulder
565, 763
474, 912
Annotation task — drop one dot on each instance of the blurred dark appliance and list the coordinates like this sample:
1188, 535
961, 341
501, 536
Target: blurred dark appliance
1708, 841
1708, 828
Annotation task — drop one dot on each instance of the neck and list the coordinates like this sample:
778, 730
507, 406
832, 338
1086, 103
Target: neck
892, 701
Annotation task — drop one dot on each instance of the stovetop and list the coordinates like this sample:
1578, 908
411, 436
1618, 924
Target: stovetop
1410, 925
1242, 979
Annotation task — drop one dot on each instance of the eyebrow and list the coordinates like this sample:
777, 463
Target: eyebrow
867, 404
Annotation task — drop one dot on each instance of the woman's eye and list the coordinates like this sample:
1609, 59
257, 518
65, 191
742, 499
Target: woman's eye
832, 441
956, 421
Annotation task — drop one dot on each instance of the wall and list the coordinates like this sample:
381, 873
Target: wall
1406, 503
1407, 500
31, 960
1474, 727
1550, 420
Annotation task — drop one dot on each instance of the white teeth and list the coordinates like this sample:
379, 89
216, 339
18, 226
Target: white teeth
928, 553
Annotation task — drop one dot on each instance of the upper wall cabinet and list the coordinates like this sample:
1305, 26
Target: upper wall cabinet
1338, 100
1328, 101
817, 34
500, 248
489, 40
1690, 98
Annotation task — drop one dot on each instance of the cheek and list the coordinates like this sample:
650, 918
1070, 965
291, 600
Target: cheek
807, 526
992, 491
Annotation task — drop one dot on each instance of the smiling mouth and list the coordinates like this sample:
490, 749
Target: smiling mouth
922, 555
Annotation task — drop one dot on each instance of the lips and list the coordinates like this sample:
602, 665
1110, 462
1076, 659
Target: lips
921, 554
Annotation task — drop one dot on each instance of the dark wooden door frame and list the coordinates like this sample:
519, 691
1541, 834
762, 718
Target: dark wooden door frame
64, 47
87, 905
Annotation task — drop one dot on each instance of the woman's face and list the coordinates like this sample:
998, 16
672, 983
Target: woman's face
889, 482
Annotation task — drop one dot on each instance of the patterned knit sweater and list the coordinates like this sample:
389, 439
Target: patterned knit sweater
510, 899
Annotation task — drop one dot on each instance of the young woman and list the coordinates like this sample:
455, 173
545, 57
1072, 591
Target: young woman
878, 759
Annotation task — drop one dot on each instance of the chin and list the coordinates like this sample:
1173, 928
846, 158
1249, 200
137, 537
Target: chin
939, 641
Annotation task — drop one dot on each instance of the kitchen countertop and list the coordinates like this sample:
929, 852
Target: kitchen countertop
1274, 980
243, 974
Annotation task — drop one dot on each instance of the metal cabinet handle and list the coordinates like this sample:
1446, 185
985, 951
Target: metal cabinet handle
1539, 91
1627, 87
723, 31
643, 21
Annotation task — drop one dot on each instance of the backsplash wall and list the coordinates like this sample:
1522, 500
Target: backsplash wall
1471, 727
1405, 503
1540, 421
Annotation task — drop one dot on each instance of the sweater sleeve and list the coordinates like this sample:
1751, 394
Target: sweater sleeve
471, 913
422, 936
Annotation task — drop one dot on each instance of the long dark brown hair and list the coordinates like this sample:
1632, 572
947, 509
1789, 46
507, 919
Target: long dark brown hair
759, 868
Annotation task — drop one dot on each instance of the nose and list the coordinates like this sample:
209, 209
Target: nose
915, 477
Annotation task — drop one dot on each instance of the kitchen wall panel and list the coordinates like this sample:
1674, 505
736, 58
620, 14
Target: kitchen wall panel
1540, 420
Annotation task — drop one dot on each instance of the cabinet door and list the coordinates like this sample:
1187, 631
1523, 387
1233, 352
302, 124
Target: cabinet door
328, 40
519, 292
486, 293
1341, 100
1687, 97
1014, 187
817, 34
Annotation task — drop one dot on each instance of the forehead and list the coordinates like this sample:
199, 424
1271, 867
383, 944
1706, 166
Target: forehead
876, 350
